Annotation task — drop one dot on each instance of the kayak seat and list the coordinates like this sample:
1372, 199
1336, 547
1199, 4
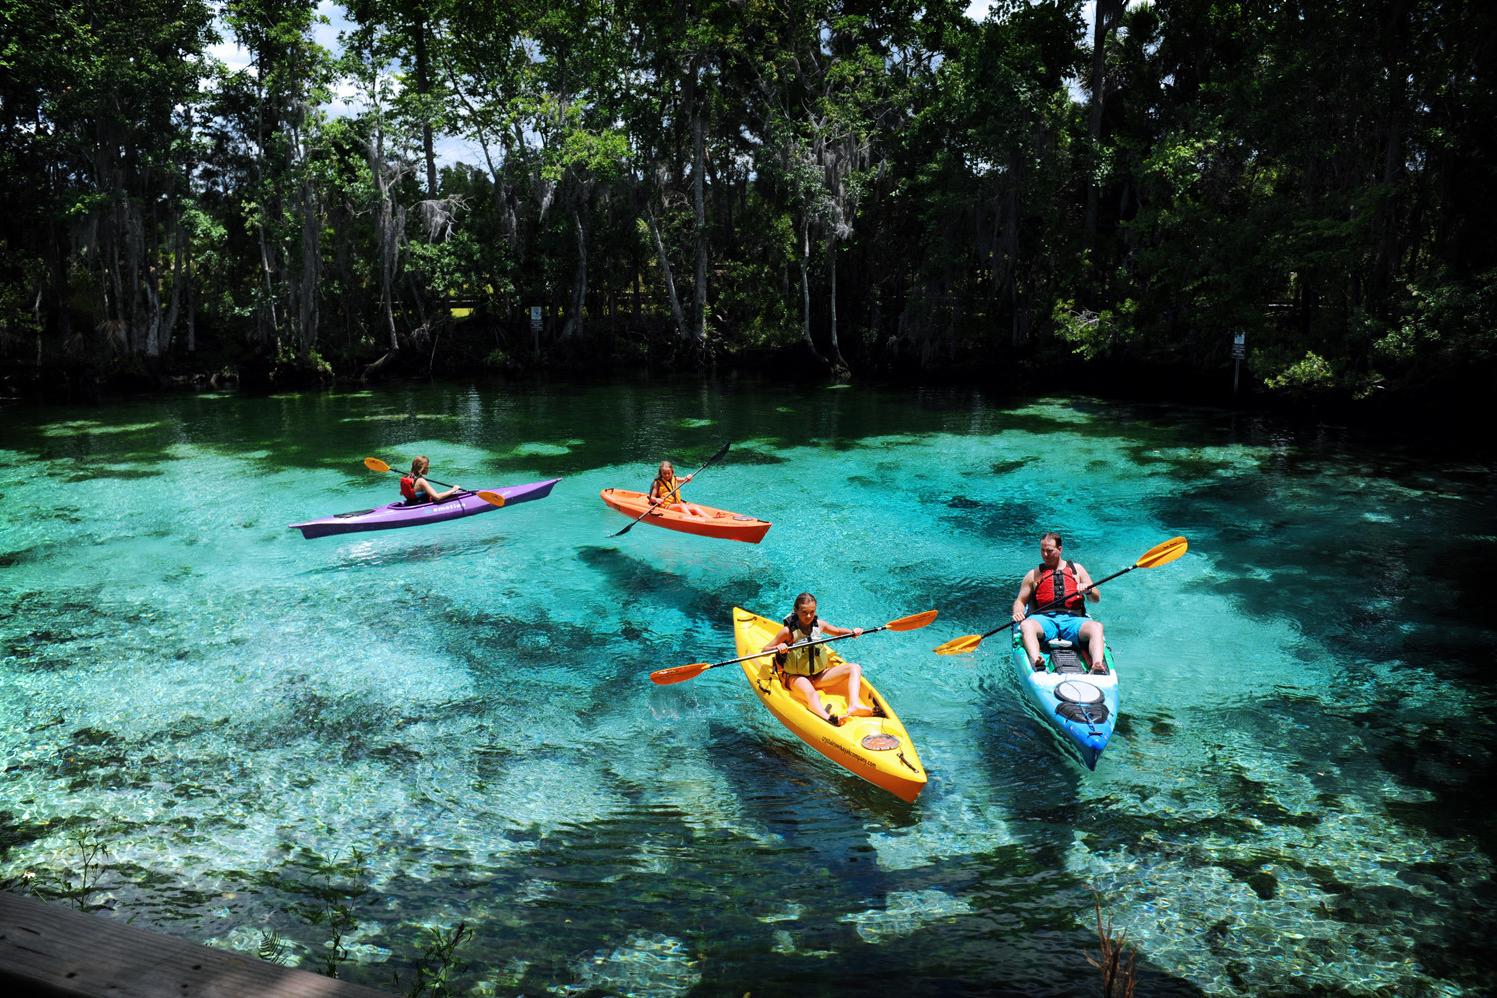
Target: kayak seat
1066, 661
1063, 657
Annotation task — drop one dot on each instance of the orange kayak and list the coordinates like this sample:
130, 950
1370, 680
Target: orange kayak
712, 522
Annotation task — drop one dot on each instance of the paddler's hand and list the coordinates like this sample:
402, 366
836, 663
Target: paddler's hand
781, 648
1018, 616
857, 632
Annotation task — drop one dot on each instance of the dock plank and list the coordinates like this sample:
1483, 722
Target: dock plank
49, 949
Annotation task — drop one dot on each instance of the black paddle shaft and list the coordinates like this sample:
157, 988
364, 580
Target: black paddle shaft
798, 644
1055, 603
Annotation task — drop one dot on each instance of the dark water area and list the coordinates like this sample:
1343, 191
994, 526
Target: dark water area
453, 723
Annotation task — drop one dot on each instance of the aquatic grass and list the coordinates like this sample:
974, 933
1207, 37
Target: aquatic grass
1117, 964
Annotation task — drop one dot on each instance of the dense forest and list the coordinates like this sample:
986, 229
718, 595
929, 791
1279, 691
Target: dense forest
827, 187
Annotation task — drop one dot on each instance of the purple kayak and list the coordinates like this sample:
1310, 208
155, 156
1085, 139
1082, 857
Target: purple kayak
398, 514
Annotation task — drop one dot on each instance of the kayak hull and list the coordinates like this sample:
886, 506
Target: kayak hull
398, 514
719, 523
896, 769
1081, 707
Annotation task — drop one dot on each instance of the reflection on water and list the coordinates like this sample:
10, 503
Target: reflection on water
1294, 800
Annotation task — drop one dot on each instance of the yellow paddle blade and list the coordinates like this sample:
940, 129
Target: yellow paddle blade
1163, 554
964, 645
912, 622
679, 673
375, 464
492, 498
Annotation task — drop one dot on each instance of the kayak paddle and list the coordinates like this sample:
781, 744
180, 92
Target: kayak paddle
681, 673
721, 451
492, 498
375, 464
1159, 554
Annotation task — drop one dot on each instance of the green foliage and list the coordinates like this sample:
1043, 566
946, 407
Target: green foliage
1094, 335
438, 962
1318, 179
79, 882
1310, 375
272, 948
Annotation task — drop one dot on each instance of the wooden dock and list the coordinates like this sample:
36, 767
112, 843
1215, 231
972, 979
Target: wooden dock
46, 949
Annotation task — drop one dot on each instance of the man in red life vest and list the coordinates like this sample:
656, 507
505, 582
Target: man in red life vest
1052, 604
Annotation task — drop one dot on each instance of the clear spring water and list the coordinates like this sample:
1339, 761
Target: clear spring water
453, 723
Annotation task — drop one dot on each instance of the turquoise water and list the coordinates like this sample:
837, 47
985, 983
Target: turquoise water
454, 723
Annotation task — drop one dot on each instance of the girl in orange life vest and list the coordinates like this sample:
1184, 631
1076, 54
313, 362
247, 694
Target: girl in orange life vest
804, 670
415, 488
665, 490
1050, 604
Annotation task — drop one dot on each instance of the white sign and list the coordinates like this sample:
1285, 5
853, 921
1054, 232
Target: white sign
1239, 346
535, 318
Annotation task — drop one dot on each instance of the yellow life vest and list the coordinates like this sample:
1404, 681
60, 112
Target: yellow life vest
803, 661
667, 490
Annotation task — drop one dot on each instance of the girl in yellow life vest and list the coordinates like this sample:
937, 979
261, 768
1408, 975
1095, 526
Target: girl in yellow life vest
665, 491
805, 671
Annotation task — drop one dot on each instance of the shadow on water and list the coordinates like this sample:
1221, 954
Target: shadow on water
380, 549
642, 581
787, 787
1043, 778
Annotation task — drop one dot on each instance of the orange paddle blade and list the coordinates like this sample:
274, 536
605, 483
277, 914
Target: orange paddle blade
912, 622
492, 498
375, 464
679, 673
1163, 554
964, 645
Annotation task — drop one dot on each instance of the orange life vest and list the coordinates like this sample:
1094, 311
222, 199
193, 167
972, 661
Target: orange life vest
1058, 591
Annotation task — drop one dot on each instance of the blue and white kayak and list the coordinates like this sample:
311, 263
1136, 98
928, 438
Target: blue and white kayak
1081, 705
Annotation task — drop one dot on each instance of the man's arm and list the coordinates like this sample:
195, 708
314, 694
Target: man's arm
1026, 590
1084, 580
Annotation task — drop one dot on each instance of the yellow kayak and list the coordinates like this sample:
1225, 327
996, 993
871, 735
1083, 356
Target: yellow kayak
876, 748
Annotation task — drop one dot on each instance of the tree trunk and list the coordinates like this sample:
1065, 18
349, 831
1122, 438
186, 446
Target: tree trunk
839, 366
192, 304
386, 231
1107, 14
670, 281
805, 290
311, 269
699, 205
423, 88
579, 281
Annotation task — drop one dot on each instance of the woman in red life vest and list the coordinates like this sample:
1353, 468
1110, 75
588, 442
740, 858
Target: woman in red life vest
1052, 604
415, 489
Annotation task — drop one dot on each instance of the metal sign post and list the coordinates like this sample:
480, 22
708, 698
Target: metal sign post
1239, 351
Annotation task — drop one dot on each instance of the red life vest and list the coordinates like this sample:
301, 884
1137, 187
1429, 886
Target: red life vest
1058, 591
408, 490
